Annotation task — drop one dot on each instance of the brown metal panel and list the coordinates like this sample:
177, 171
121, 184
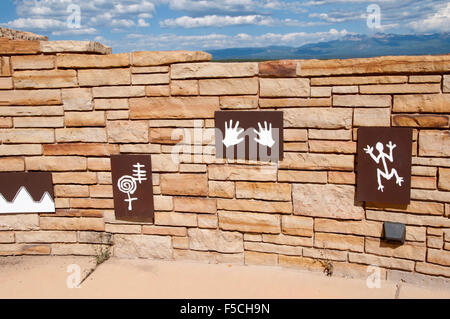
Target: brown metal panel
384, 165
248, 123
24, 192
132, 187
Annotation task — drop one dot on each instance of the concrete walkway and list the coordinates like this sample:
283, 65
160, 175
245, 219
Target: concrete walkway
47, 277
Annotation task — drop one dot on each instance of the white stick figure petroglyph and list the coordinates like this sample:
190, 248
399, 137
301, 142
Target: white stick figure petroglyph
128, 184
383, 156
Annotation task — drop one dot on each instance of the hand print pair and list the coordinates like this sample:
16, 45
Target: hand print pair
232, 134
250, 135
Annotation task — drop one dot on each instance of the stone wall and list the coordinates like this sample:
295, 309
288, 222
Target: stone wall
65, 107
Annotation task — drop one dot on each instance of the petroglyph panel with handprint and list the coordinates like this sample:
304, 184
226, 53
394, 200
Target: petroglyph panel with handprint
384, 165
251, 135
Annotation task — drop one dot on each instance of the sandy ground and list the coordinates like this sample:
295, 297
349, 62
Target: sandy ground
46, 277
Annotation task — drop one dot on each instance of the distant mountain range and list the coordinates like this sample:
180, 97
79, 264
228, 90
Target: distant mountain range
351, 46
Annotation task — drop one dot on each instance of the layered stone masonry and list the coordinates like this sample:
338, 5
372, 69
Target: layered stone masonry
65, 107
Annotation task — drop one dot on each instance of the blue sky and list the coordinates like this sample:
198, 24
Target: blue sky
133, 25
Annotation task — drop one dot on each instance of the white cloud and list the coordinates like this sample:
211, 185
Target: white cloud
81, 31
337, 17
224, 21
125, 23
216, 21
438, 21
220, 41
30, 23
143, 23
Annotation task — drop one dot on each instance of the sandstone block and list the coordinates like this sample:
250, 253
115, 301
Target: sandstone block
321, 91
242, 172
74, 47
208, 221
77, 99
338, 241
127, 131
8, 46
73, 223
97, 203
434, 143
235, 86
321, 146
308, 161
175, 219
410, 250
118, 91
362, 100
273, 248
358, 80
215, 240
163, 230
79, 61
88, 135
149, 69
46, 237
297, 225
372, 117
99, 164
318, 118
142, 246
420, 120
281, 239
400, 88
193, 184
173, 107
19, 222
381, 261
55, 163
104, 77
39, 122
335, 201
27, 136
302, 176
425, 78
383, 65
186, 87
221, 189
33, 62
296, 87
421, 103
148, 79
111, 104
20, 149
85, 119
11, 164
194, 205
341, 178
71, 191
30, 97
91, 149
45, 79
75, 178
213, 70
255, 206
363, 228
283, 68
267, 191
444, 179
239, 102
152, 58
6, 83
249, 222
157, 90
290, 102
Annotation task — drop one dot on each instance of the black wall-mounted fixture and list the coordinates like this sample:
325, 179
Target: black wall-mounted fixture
394, 232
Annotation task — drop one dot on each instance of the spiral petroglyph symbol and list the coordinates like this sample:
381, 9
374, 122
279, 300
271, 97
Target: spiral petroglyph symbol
127, 184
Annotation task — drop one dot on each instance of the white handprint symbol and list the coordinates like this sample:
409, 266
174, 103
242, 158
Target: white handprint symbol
232, 134
264, 135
